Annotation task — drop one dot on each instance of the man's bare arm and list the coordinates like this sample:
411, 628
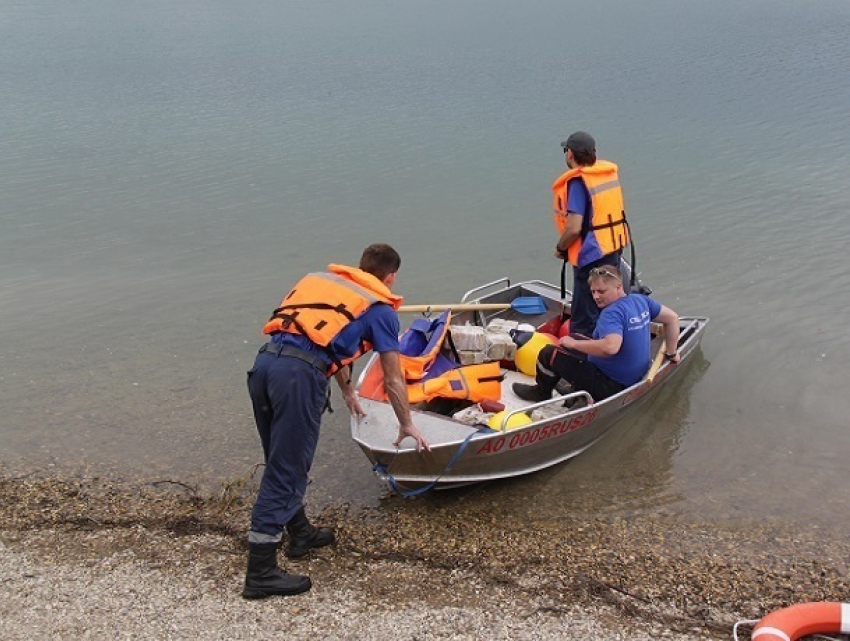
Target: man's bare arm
397, 394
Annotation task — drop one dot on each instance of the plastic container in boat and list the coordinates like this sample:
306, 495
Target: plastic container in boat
515, 421
529, 345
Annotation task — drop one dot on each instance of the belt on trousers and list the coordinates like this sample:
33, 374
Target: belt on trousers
295, 352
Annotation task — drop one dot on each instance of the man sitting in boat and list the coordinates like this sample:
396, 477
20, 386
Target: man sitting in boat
617, 356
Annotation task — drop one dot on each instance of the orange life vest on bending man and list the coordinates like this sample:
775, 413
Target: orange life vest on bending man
322, 303
607, 231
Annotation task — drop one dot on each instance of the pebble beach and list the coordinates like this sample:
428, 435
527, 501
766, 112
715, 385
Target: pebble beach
98, 558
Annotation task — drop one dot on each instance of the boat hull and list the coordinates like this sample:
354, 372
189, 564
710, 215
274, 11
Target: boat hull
462, 454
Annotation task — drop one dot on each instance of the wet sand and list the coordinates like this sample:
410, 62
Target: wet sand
155, 555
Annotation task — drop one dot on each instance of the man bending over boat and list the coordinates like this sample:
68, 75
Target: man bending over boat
326, 321
617, 356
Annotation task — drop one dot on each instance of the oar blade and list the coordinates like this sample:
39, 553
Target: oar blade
529, 305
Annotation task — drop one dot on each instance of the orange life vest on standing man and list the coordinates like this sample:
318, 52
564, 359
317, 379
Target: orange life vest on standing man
607, 231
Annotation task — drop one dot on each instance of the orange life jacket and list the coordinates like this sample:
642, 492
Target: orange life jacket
608, 224
322, 303
470, 382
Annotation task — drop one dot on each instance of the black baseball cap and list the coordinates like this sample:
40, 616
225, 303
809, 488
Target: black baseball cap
580, 141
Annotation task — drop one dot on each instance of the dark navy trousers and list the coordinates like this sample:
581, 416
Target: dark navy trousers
555, 363
289, 397
584, 312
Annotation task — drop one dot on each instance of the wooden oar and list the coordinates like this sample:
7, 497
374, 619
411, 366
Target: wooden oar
528, 305
659, 358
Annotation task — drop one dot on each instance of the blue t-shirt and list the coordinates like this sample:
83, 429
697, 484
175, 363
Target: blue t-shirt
578, 202
629, 317
378, 325
578, 199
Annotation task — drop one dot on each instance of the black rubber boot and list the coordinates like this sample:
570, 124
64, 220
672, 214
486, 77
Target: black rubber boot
531, 393
266, 578
303, 536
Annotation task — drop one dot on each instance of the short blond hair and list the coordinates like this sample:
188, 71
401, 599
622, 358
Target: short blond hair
605, 272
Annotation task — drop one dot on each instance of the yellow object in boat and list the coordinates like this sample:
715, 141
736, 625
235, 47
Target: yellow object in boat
515, 421
526, 354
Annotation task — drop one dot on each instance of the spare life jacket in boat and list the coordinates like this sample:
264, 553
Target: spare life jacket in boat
469, 382
607, 231
323, 303
420, 345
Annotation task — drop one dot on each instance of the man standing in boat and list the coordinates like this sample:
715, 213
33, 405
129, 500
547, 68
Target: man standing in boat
618, 356
327, 321
591, 220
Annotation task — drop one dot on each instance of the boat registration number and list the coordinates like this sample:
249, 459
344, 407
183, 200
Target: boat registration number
538, 434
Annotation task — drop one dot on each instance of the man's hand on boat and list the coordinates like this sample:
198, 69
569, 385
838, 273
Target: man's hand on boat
353, 404
343, 380
411, 430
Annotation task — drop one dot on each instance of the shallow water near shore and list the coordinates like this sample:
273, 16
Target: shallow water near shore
168, 173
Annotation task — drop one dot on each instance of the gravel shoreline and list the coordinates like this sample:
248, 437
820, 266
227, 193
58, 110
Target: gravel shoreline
125, 596
94, 558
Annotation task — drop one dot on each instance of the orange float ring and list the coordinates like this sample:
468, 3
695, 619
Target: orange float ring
802, 620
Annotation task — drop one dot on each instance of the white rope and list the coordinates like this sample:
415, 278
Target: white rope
744, 622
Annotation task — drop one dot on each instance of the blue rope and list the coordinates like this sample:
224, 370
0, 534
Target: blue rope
382, 469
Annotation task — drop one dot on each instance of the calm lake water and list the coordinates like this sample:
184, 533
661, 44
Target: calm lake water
168, 170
